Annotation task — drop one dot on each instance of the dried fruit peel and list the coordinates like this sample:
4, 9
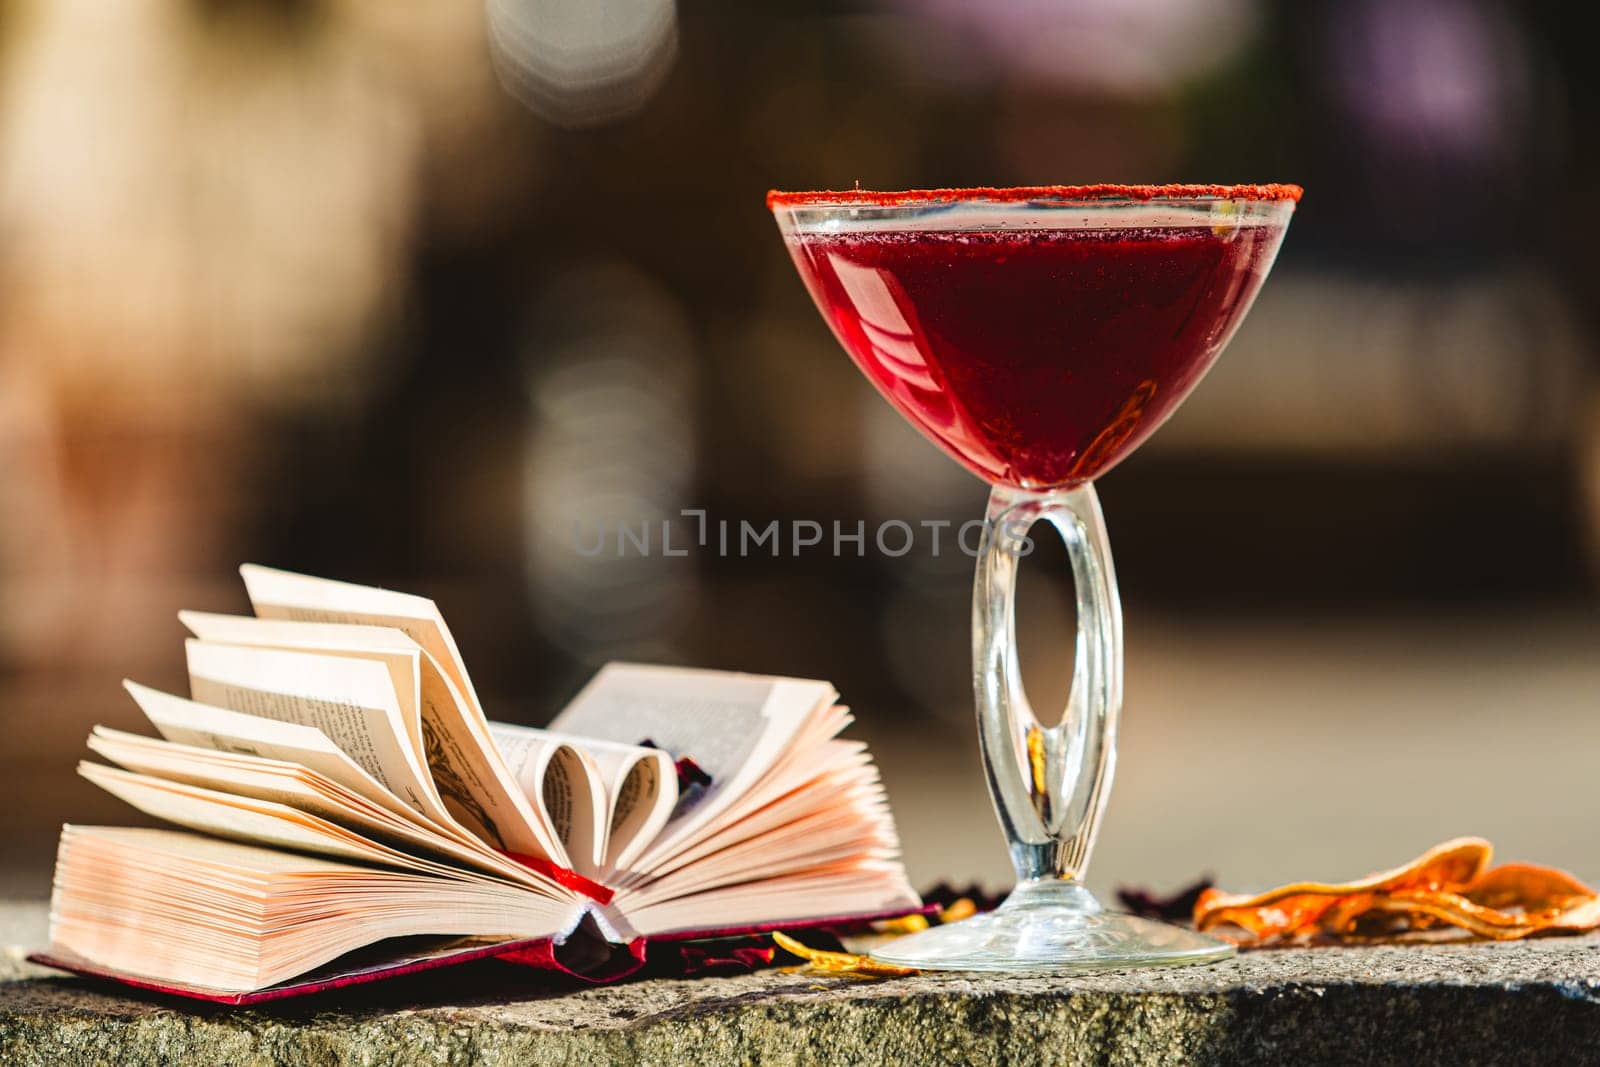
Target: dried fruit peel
1449, 885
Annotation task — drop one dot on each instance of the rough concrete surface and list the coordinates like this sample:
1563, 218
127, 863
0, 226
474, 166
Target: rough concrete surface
1516, 1003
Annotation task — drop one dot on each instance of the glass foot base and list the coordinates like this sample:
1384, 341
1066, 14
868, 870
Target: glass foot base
1052, 927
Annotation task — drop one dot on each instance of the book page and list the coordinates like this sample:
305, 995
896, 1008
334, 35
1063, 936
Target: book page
564, 783
470, 772
843, 889
640, 787
794, 775
476, 789
260, 822
843, 785
735, 726
266, 822
254, 778
186, 722
643, 796
351, 701
258, 778
393, 649
276, 594
813, 838
184, 910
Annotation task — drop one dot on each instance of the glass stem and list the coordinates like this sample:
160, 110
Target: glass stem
1049, 784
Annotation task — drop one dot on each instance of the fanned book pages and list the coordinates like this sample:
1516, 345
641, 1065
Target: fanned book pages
347, 811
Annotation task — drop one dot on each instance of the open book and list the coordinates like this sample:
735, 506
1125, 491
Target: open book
340, 786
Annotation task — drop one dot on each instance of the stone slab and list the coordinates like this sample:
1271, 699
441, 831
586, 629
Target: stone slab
1522, 1003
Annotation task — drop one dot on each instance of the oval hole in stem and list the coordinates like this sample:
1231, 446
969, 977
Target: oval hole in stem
1046, 624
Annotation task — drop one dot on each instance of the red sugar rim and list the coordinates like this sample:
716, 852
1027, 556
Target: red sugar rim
868, 198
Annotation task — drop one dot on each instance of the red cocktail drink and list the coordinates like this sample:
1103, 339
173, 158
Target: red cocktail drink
1039, 335
1036, 357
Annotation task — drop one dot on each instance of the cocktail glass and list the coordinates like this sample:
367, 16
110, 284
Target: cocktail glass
1038, 335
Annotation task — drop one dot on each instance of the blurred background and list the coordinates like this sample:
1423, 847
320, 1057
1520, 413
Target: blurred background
400, 293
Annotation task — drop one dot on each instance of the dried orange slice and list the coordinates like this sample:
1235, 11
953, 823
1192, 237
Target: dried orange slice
1449, 885
1300, 906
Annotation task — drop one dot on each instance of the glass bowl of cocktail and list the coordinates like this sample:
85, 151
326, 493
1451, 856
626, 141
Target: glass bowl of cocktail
1038, 335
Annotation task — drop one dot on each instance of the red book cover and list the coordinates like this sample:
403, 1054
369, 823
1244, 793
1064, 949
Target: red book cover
583, 957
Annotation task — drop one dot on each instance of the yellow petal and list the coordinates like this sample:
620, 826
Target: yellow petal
906, 924
960, 908
839, 962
